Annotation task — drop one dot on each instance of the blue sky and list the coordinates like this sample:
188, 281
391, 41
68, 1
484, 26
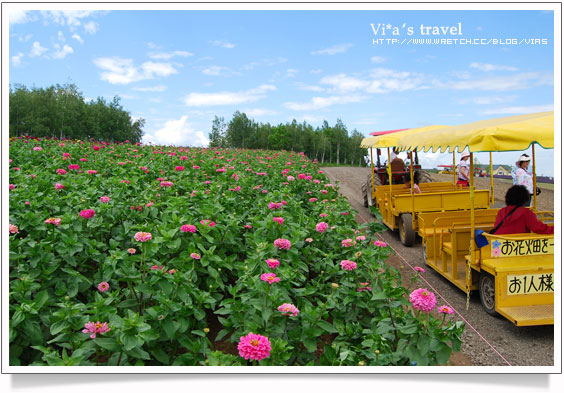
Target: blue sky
178, 69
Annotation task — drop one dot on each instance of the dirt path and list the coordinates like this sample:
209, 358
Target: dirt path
487, 341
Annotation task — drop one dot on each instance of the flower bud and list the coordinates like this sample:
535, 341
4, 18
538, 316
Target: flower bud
377, 352
206, 330
361, 363
334, 285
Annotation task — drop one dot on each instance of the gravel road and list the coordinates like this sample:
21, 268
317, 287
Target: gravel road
487, 340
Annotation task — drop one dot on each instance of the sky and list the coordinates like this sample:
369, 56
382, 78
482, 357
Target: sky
178, 69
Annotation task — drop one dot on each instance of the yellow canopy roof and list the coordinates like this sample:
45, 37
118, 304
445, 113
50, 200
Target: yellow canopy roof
391, 140
501, 134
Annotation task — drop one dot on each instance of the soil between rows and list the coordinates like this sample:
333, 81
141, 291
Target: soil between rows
487, 340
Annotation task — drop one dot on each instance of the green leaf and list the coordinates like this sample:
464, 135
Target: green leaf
223, 311
161, 356
310, 345
40, 299
326, 326
170, 328
58, 326
138, 353
107, 343
130, 341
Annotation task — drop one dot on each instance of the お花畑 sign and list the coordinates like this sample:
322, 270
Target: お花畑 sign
522, 247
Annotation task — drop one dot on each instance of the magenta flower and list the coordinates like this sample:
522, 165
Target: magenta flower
254, 347
61, 171
361, 238
312, 199
195, 255
88, 213
445, 310
56, 221
59, 186
379, 243
274, 205
348, 243
270, 278
419, 269
364, 287
272, 263
321, 227
13, 229
208, 223
179, 168
103, 286
37, 148
423, 300
143, 236
348, 265
290, 178
91, 172
288, 309
95, 328
279, 220
188, 228
282, 244
104, 199
131, 251
74, 167
166, 184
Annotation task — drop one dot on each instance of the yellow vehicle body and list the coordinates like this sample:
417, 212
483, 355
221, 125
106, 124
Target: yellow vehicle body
514, 274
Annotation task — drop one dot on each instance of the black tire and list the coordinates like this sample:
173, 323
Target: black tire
487, 293
369, 201
364, 191
424, 176
406, 232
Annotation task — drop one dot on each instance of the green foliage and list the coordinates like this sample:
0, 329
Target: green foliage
61, 111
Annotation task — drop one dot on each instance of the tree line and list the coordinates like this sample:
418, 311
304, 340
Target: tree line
327, 144
62, 112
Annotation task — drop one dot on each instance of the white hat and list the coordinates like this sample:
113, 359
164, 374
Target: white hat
464, 155
524, 157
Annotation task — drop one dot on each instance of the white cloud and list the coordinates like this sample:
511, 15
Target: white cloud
158, 88
37, 49
500, 83
264, 62
316, 71
219, 71
61, 53
260, 112
487, 100
303, 86
17, 59
333, 50
517, 110
223, 44
322, 102
380, 80
228, 98
60, 36
72, 18
169, 55
177, 132
20, 16
25, 38
77, 37
344, 83
122, 71
491, 67
90, 27
377, 59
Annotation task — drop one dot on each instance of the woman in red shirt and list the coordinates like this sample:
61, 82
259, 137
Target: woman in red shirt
519, 219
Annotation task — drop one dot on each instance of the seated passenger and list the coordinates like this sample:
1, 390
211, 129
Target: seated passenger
416, 177
515, 218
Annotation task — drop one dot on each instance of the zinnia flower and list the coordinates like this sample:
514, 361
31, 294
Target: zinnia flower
143, 236
423, 300
272, 263
364, 287
379, 243
269, 278
166, 184
274, 205
88, 213
348, 265
321, 227
59, 186
179, 168
254, 347
188, 228
208, 223
91, 172
195, 255
348, 243
61, 171
282, 244
279, 220
104, 199
288, 309
103, 286
419, 269
131, 250
74, 167
56, 221
96, 328
445, 310
13, 229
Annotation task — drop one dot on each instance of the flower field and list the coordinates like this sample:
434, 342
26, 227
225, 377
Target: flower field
128, 255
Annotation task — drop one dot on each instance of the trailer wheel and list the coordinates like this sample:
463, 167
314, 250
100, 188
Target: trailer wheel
364, 190
425, 177
406, 232
487, 293
368, 201
424, 249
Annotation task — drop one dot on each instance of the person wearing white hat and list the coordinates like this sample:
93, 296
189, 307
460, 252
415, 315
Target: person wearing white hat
463, 169
521, 177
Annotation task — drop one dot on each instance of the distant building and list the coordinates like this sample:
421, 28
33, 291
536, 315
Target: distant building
503, 170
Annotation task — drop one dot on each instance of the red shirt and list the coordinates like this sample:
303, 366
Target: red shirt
522, 220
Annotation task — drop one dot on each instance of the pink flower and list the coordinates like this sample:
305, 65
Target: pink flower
361, 238
172, 271
208, 223
419, 269
96, 147
88, 213
348, 243
445, 310
188, 228
156, 267
195, 167
124, 181
13, 229
364, 287
143, 236
75, 167
301, 176
282, 244
96, 328
321, 227
274, 205
131, 251
104, 199
61, 171
309, 240
59, 186
348, 265
379, 243
179, 168
279, 220
272, 263
288, 309
312, 199
37, 148
91, 172
323, 215
269, 278
248, 226
195, 255
496, 252
166, 184
254, 347
83, 160
103, 286
290, 178
423, 300
56, 221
